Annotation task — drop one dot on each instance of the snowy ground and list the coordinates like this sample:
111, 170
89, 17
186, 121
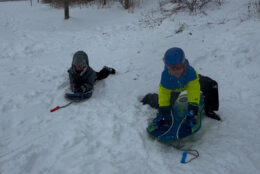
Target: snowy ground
106, 134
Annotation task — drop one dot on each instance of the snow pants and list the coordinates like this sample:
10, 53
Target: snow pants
209, 88
102, 74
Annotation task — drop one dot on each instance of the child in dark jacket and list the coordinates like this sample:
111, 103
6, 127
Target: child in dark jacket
82, 76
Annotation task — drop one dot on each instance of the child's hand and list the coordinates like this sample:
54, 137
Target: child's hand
77, 90
83, 89
191, 118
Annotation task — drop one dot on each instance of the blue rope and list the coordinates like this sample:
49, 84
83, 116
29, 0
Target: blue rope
187, 152
191, 152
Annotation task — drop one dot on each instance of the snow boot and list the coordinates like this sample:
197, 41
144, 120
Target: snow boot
110, 70
213, 115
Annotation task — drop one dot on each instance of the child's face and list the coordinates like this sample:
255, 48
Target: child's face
176, 70
79, 68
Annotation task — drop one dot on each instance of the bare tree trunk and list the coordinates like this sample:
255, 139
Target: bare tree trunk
127, 4
66, 9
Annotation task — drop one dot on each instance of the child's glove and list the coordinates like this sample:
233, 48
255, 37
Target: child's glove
164, 110
158, 120
161, 122
191, 119
76, 89
80, 89
83, 89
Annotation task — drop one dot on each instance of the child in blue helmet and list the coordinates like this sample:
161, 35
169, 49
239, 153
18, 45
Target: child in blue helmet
178, 76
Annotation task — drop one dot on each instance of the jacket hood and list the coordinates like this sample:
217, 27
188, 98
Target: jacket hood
80, 58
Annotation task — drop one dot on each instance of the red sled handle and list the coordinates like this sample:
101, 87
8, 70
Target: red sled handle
54, 109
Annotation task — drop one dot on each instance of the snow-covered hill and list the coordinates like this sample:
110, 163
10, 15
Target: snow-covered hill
107, 134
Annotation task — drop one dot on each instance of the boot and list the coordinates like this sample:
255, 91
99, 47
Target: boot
110, 70
213, 115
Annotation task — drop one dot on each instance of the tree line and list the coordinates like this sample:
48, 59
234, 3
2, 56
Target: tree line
66, 3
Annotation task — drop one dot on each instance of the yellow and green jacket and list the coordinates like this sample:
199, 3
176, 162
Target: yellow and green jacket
188, 81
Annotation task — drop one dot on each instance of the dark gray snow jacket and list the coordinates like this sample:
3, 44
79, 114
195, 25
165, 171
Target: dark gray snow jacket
86, 78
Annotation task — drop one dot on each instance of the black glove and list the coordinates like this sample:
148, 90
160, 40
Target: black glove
191, 119
83, 88
165, 110
162, 122
191, 115
78, 90
75, 89
193, 107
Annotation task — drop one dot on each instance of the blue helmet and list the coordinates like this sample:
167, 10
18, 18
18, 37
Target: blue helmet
174, 56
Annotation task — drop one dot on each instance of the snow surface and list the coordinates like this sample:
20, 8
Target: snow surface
107, 133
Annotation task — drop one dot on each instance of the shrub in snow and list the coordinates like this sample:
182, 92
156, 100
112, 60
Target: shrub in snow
254, 8
193, 6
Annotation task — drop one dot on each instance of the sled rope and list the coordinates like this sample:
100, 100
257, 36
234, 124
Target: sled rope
185, 152
192, 152
59, 107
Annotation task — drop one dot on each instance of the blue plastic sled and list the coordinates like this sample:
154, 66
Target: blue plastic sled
176, 126
78, 96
